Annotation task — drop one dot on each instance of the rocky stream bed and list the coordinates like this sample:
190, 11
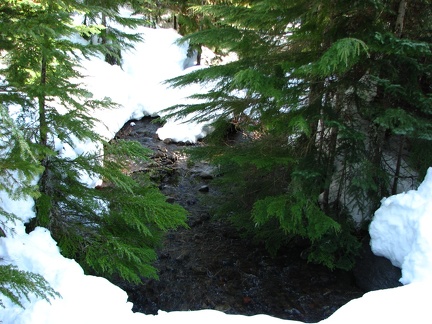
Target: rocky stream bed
209, 266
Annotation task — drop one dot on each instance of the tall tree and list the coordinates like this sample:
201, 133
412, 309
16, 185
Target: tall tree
112, 38
327, 94
18, 168
110, 231
183, 16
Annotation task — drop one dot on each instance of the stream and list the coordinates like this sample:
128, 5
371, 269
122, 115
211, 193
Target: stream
210, 266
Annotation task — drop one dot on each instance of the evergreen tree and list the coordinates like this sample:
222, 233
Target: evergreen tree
184, 17
329, 95
18, 167
113, 39
111, 231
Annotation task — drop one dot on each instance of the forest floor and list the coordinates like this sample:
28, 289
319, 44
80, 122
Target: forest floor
210, 266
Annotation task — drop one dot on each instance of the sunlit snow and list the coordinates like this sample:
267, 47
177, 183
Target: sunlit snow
401, 231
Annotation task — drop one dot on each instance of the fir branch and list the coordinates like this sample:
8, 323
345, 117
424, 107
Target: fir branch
339, 58
16, 284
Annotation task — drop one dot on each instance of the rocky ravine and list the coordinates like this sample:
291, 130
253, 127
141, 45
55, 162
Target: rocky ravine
209, 266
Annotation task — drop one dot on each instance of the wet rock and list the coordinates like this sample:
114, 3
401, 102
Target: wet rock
206, 175
203, 170
293, 312
192, 222
174, 156
168, 140
182, 257
199, 270
170, 200
139, 132
159, 154
164, 255
204, 188
198, 237
191, 202
205, 217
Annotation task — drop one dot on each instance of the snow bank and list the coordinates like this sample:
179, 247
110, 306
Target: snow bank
84, 299
401, 231
139, 85
406, 304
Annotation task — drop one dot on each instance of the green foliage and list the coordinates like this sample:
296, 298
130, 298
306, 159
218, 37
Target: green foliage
110, 230
131, 231
420, 155
399, 121
104, 15
113, 229
340, 57
322, 95
18, 166
16, 284
277, 199
295, 214
336, 250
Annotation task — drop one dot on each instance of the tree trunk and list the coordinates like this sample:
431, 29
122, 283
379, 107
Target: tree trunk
332, 145
105, 31
42, 214
376, 138
398, 166
398, 32
199, 52
400, 18
317, 127
43, 125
